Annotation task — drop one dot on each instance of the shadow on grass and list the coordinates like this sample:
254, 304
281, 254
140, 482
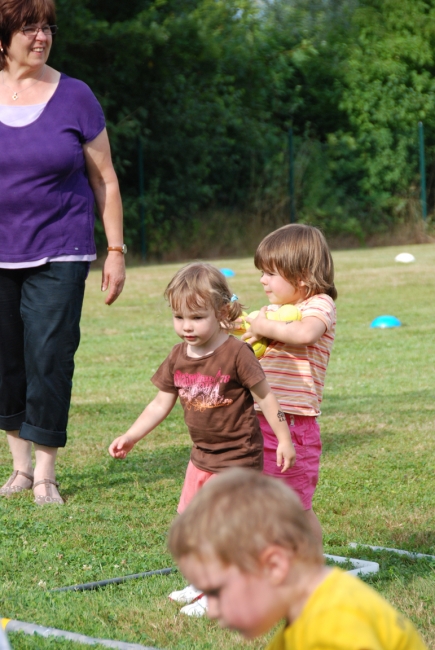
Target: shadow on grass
418, 540
96, 413
334, 404
143, 469
374, 403
119, 416
333, 443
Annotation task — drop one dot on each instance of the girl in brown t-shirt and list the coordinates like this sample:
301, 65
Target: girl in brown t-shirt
217, 377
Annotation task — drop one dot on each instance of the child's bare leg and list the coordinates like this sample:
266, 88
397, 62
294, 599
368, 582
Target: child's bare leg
315, 524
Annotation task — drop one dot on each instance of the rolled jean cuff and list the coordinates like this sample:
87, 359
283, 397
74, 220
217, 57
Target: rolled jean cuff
12, 422
42, 436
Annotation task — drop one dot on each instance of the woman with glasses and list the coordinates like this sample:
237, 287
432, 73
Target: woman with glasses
55, 163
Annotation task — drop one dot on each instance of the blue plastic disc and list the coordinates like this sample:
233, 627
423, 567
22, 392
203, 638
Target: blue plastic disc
228, 273
386, 321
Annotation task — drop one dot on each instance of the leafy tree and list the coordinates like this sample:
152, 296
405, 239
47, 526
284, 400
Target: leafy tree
210, 87
388, 87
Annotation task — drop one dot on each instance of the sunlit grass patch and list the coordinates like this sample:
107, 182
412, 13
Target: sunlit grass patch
377, 480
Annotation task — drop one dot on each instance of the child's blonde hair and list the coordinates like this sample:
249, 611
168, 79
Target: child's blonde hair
237, 515
299, 253
198, 285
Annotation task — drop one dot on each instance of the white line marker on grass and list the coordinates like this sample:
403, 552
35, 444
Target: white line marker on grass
4, 643
362, 567
393, 550
29, 628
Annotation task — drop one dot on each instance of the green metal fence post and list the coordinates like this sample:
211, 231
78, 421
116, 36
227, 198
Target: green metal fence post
422, 171
291, 176
141, 200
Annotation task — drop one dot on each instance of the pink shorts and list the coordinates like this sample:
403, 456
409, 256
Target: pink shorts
193, 481
304, 475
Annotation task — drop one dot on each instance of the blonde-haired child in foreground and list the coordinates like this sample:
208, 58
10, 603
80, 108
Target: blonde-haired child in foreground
297, 268
246, 543
217, 377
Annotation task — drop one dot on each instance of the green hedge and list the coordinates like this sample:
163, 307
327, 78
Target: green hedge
209, 88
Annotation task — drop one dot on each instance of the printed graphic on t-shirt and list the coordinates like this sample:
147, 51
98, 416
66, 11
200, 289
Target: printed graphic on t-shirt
201, 392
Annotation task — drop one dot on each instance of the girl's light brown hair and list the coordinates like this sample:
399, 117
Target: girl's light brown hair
299, 253
239, 514
14, 14
200, 285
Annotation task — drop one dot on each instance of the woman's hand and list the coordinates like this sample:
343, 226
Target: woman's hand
113, 276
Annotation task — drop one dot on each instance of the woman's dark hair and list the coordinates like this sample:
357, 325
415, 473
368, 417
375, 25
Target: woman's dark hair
14, 14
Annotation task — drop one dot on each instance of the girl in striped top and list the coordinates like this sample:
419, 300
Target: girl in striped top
297, 268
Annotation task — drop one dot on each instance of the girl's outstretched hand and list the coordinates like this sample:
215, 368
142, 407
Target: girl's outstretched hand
285, 455
121, 446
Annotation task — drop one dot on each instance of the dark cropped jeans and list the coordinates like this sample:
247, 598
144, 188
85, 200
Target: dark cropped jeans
40, 311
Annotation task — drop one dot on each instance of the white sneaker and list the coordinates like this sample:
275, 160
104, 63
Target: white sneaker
186, 595
198, 608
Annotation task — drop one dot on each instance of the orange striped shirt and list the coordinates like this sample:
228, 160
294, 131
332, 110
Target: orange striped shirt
296, 374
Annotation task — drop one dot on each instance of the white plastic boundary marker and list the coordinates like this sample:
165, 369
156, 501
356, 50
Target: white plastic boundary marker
30, 628
362, 567
4, 643
393, 550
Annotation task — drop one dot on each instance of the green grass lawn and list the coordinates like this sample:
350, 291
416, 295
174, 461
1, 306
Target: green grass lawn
377, 482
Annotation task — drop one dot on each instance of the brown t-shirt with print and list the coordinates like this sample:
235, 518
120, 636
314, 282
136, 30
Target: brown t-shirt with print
218, 406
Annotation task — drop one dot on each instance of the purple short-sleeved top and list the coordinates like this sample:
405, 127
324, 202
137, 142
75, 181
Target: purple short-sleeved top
46, 202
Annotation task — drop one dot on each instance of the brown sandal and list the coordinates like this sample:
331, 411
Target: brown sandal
43, 499
8, 489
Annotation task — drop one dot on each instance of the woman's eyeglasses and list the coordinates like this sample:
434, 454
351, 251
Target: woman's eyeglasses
32, 30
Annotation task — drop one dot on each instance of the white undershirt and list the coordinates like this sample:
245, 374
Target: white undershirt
20, 115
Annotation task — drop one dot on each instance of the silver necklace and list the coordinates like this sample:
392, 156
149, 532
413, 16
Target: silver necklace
18, 92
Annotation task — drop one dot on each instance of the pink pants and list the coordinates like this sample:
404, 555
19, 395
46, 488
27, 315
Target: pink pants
193, 481
304, 475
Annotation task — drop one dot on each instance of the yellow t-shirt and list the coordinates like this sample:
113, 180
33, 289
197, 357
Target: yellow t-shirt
345, 614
